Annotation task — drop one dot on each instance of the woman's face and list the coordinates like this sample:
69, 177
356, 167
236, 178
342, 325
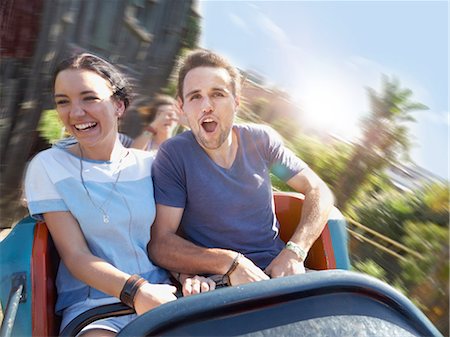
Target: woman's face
166, 119
85, 104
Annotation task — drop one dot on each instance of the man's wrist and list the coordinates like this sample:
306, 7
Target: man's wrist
299, 251
234, 264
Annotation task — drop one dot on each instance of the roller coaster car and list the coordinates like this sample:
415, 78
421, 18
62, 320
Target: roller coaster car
319, 303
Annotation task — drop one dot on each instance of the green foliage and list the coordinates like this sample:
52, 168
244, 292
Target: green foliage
428, 239
328, 160
170, 89
385, 138
192, 32
418, 220
370, 267
50, 126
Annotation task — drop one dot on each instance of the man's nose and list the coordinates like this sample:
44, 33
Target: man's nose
207, 106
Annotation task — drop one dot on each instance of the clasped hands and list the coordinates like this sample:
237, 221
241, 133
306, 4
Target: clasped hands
286, 263
150, 296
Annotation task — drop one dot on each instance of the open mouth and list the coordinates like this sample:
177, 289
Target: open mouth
85, 126
209, 125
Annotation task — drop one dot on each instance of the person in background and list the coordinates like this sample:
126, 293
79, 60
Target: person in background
214, 203
160, 120
96, 197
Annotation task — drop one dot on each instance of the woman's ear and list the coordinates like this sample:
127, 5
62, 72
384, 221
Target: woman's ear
120, 108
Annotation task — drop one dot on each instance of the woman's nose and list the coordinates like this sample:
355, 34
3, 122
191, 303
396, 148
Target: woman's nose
76, 109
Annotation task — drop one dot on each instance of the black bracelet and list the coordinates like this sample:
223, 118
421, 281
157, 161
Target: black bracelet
226, 277
130, 289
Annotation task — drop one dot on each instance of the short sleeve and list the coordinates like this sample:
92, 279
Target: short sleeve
41, 193
169, 178
283, 162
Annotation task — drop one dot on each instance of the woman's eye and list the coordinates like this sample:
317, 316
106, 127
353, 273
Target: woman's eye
61, 102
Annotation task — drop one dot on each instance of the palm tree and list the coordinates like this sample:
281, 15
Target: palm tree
385, 138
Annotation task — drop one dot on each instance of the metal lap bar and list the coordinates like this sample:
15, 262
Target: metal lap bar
17, 295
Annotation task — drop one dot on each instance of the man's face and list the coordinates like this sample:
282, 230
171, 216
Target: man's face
209, 105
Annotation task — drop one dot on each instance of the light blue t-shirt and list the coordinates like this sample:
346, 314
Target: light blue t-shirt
227, 208
53, 183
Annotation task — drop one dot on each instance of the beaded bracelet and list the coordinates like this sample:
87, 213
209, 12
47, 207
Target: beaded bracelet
130, 289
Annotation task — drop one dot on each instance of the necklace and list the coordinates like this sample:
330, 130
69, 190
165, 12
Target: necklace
108, 198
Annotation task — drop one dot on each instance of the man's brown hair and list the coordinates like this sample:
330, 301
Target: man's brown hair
207, 58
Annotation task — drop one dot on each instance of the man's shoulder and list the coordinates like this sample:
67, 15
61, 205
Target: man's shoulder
255, 130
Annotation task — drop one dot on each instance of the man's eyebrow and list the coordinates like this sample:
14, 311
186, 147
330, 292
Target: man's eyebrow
190, 93
221, 89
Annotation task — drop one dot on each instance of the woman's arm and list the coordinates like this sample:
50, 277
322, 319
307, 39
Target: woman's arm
95, 272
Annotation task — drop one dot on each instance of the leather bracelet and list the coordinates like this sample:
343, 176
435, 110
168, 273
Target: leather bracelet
130, 289
226, 277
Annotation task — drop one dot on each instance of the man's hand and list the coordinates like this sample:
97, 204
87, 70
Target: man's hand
150, 296
245, 272
286, 263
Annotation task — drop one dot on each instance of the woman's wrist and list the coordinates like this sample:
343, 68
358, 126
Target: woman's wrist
149, 131
130, 289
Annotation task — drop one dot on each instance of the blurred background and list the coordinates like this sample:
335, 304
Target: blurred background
358, 89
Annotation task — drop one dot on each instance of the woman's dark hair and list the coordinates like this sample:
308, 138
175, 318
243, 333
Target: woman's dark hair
120, 86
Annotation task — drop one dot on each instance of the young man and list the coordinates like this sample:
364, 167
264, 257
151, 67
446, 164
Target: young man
215, 211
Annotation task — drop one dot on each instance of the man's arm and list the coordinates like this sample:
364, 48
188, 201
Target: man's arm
169, 250
316, 209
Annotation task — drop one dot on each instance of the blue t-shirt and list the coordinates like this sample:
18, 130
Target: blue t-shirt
227, 208
53, 183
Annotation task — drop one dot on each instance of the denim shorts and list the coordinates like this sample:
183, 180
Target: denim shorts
114, 324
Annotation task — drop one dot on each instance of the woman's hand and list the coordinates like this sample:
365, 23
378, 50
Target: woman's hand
150, 296
196, 284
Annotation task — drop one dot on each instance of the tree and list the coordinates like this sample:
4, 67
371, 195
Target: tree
141, 37
385, 138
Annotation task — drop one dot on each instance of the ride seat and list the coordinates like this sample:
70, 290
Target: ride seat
288, 208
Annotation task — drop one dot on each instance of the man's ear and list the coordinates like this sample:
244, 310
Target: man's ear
182, 119
180, 111
237, 101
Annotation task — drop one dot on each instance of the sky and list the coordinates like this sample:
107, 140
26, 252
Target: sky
326, 54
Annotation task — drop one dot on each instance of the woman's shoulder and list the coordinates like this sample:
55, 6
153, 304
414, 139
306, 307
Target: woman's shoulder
49, 154
140, 154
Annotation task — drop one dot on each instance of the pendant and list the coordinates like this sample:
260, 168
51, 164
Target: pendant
105, 218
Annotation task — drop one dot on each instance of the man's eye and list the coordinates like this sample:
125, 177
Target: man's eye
194, 97
90, 99
218, 94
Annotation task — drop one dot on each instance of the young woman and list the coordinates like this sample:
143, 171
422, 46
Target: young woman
161, 121
96, 197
